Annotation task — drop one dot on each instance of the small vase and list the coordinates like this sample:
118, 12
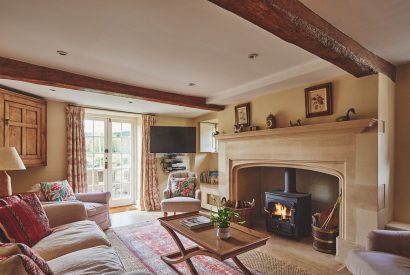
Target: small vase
223, 233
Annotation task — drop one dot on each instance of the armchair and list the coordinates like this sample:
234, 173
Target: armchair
96, 205
389, 253
172, 203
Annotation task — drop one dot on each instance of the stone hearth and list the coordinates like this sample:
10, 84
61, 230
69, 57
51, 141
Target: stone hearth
346, 150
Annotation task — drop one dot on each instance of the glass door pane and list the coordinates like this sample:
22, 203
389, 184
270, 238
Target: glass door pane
121, 149
95, 139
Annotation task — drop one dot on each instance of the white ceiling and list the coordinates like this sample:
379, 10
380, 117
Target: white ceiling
382, 26
165, 45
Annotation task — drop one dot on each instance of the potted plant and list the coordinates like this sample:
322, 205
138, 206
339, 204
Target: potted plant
222, 218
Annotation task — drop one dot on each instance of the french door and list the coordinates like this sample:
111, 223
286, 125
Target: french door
111, 155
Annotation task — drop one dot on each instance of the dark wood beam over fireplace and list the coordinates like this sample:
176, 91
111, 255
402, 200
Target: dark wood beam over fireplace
293, 22
18, 70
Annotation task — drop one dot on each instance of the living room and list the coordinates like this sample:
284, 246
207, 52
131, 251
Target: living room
284, 112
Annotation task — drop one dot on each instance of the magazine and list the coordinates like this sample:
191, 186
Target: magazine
196, 222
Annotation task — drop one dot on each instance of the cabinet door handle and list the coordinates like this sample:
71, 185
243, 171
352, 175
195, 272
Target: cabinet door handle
6, 121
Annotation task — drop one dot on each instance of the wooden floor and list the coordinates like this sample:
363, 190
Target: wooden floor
123, 208
300, 252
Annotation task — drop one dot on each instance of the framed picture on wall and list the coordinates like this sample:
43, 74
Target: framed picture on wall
242, 114
318, 100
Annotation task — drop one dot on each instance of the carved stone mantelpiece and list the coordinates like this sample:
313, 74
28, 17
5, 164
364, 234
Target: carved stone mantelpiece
347, 150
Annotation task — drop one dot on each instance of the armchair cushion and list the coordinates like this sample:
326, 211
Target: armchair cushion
180, 204
183, 187
95, 208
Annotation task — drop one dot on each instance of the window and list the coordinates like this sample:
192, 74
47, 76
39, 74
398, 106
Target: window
207, 142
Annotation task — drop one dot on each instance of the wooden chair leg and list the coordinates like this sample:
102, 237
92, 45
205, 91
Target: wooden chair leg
165, 214
175, 213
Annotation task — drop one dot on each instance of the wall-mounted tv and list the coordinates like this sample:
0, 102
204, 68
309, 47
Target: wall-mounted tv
168, 139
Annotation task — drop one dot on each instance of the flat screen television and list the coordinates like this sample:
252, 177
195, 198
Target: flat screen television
169, 139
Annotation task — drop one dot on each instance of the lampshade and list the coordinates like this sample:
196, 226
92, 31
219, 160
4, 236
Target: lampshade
10, 159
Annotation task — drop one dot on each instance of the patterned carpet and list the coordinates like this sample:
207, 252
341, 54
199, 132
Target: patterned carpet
139, 247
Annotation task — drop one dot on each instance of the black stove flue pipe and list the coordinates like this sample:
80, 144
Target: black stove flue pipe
290, 180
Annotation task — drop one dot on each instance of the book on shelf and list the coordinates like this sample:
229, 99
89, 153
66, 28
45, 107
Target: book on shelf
196, 222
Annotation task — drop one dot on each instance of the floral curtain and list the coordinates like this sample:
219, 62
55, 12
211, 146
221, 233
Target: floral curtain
76, 153
150, 185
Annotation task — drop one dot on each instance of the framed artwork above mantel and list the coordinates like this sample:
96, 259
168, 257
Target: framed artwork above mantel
242, 114
318, 100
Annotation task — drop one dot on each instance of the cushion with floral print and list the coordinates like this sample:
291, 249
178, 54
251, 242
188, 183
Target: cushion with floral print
9, 249
183, 187
58, 191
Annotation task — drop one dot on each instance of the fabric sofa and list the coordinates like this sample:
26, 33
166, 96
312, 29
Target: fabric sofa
388, 253
77, 245
96, 205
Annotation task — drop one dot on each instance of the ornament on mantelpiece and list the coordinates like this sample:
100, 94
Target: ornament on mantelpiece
347, 116
297, 123
270, 121
237, 128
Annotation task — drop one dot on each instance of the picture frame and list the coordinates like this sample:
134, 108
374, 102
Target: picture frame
318, 100
243, 115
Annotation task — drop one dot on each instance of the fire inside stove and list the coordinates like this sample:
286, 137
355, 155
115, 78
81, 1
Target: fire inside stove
282, 212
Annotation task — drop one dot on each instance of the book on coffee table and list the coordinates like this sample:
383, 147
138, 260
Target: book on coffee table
196, 222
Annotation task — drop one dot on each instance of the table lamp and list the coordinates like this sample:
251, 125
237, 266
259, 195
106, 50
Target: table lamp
9, 160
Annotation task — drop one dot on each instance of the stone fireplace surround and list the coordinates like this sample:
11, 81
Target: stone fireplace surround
346, 150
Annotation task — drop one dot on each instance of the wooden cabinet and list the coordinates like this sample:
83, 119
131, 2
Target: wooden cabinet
23, 125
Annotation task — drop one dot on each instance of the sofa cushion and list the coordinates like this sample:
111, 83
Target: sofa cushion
70, 237
378, 263
9, 249
58, 191
94, 208
95, 260
22, 219
180, 204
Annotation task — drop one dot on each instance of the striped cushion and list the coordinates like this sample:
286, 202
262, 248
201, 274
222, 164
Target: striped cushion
22, 219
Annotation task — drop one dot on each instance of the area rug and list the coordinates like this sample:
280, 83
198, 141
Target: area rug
149, 241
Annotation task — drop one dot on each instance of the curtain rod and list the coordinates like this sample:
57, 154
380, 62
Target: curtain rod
110, 110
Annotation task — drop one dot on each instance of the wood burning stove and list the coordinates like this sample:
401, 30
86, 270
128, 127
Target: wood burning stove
289, 212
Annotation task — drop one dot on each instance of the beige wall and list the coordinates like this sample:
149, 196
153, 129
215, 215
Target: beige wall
348, 91
56, 153
402, 145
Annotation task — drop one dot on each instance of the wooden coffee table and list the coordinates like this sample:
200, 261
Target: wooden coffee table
242, 240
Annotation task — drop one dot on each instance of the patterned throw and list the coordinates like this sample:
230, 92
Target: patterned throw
10, 264
58, 191
10, 249
149, 242
22, 219
183, 187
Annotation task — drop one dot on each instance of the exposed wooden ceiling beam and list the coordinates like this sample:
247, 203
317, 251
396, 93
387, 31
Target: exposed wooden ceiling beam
18, 70
293, 22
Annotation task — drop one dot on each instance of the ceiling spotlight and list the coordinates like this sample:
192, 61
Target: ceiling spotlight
63, 53
253, 55
130, 102
53, 90
191, 84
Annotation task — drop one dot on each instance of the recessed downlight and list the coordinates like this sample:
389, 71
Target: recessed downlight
253, 55
191, 84
130, 102
53, 90
63, 53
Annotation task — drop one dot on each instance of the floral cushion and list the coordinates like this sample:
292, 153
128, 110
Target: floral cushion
9, 249
183, 187
22, 219
58, 191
